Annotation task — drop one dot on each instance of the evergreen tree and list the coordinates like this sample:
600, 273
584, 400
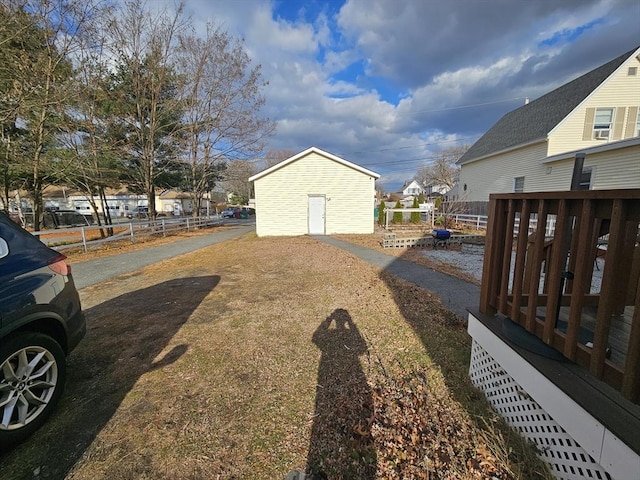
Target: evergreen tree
397, 216
381, 215
415, 216
34, 89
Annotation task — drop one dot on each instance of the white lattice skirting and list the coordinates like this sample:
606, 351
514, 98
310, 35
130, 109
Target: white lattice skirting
570, 440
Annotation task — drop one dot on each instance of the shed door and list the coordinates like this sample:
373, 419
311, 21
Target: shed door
316, 214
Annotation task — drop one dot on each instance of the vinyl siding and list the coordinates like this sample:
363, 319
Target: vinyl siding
496, 174
621, 90
282, 197
615, 169
618, 169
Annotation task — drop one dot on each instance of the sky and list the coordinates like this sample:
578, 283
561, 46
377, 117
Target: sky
386, 84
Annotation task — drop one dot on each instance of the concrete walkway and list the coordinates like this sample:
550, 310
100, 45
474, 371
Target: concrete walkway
455, 294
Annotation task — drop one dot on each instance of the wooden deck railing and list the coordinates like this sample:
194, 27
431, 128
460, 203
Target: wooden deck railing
546, 283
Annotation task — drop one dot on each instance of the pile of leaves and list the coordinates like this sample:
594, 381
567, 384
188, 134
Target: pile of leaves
420, 435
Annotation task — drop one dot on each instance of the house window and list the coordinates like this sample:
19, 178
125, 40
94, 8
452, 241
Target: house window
518, 184
602, 123
585, 179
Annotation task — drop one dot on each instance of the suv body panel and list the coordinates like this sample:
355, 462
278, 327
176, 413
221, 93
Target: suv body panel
32, 293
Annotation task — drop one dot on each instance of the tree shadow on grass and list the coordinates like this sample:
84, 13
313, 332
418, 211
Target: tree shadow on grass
124, 337
341, 445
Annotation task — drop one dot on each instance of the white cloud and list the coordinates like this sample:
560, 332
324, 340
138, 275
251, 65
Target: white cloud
384, 82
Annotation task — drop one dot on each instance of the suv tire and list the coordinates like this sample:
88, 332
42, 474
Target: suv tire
32, 378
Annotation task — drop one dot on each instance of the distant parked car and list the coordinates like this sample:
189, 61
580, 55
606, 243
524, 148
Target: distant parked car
138, 212
41, 321
56, 219
227, 213
66, 218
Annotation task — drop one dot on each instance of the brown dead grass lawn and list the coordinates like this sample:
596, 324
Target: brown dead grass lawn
108, 249
214, 365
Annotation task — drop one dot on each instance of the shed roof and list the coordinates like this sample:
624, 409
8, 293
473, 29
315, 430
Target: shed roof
319, 152
533, 122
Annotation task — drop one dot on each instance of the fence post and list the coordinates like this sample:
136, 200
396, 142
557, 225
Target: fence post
84, 239
478, 222
133, 238
187, 224
164, 232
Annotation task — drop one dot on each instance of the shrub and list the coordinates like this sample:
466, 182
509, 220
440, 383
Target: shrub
415, 216
381, 216
397, 216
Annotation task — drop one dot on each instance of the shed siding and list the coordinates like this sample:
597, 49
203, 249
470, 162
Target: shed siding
620, 90
282, 197
496, 174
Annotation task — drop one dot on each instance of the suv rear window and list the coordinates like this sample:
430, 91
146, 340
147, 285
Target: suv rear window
23, 246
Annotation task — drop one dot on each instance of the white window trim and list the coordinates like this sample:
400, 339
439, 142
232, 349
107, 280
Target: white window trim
515, 184
599, 132
592, 171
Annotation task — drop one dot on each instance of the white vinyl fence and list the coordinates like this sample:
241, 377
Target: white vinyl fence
479, 222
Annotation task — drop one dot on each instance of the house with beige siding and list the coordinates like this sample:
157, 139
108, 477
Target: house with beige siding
314, 193
532, 148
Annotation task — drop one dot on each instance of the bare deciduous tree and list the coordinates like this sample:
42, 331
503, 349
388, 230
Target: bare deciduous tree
442, 171
275, 156
237, 182
222, 94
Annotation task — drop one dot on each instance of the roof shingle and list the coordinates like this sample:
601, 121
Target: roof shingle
536, 119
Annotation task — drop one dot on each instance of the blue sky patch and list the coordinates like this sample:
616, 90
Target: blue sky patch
569, 35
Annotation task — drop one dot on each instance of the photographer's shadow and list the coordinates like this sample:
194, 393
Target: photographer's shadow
341, 444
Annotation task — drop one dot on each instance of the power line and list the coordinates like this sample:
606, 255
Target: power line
471, 105
390, 149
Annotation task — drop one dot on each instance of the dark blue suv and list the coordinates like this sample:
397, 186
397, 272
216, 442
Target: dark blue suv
41, 321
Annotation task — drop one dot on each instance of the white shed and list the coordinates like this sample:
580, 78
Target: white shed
315, 193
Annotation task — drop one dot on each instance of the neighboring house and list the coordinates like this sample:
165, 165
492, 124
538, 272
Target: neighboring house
173, 202
412, 188
531, 148
316, 193
451, 195
433, 189
120, 201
